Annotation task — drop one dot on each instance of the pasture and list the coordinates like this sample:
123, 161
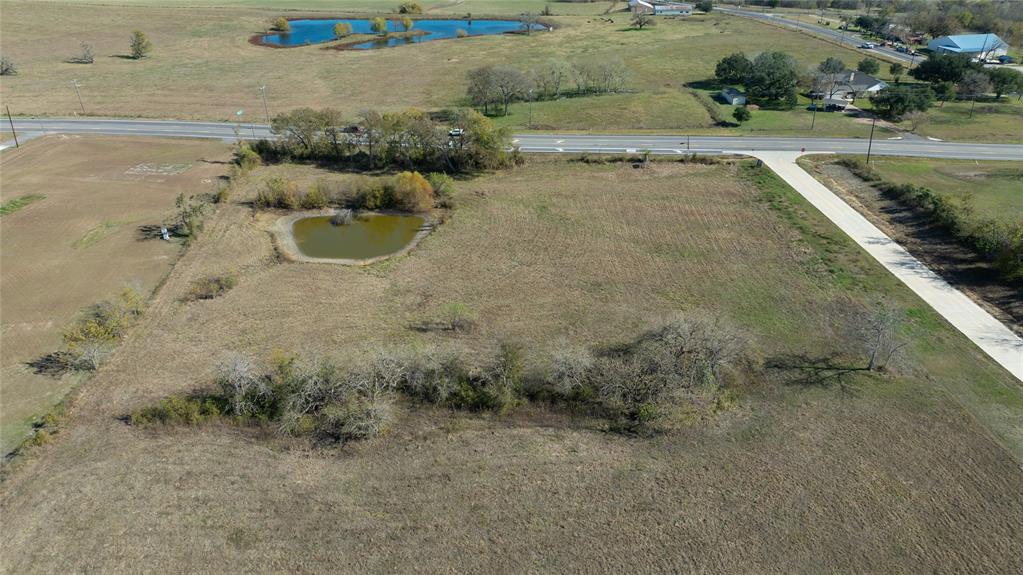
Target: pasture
73, 240
918, 468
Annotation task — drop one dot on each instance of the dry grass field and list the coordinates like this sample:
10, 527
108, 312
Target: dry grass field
919, 471
78, 244
203, 66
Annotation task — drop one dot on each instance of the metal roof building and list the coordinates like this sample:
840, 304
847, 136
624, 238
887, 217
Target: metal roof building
982, 46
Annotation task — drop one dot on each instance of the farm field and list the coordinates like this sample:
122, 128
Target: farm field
915, 470
203, 67
70, 239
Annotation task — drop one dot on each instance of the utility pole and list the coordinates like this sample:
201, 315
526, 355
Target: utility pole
13, 133
530, 125
79, 94
870, 144
266, 109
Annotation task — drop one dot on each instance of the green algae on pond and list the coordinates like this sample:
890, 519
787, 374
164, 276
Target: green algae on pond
369, 236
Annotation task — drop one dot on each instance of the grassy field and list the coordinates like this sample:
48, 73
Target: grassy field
76, 243
203, 67
915, 471
997, 187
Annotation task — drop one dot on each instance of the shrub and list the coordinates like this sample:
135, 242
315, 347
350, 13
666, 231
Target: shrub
460, 33
280, 24
412, 192
140, 45
342, 217
371, 194
342, 29
278, 193
7, 66
314, 199
443, 185
410, 8
177, 411
245, 157
210, 287
94, 334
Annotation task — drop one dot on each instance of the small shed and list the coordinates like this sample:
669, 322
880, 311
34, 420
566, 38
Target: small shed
733, 97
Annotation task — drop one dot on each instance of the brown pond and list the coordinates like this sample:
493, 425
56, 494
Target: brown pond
368, 236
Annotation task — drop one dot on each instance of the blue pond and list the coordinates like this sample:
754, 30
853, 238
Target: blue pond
305, 32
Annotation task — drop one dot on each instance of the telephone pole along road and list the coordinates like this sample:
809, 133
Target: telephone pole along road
994, 338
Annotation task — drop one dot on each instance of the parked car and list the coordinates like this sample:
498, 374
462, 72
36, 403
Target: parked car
1006, 60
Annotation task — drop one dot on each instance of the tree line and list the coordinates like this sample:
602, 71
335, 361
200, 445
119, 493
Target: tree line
453, 141
493, 88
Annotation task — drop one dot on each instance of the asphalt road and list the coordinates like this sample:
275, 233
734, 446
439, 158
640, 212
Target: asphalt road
555, 143
850, 39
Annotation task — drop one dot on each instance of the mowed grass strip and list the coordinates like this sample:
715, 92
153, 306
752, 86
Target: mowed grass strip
996, 188
11, 206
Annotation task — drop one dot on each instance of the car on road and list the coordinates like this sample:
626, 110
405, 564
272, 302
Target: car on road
868, 45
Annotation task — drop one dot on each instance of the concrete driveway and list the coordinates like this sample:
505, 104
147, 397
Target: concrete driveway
998, 341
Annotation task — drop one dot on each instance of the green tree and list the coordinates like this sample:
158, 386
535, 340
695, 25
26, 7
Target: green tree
407, 23
280, 24
831, 66
140, 45
895, 101
342, 29
705, 5
410, 8
944, 68
868, 66
1004, 80
773, 80
733, 69
896, 70
944, 91
741, 114
379, 25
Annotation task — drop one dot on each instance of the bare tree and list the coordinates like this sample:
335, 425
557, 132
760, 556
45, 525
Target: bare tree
510, 84
482, 90
641, 20
915, 119
880, 335
85, 55
529, 21
549, 78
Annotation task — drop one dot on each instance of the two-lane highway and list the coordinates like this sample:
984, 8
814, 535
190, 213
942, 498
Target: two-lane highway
555, 143
850, 39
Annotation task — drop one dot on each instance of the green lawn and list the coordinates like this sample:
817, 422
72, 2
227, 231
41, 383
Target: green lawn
997, 187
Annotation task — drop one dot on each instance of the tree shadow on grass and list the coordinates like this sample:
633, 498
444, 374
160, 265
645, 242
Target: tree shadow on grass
800, 369
54, 364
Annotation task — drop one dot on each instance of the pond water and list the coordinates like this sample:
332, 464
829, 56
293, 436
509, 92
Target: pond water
305, 32
368, 236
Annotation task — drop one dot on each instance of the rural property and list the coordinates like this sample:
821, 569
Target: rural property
523, 286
